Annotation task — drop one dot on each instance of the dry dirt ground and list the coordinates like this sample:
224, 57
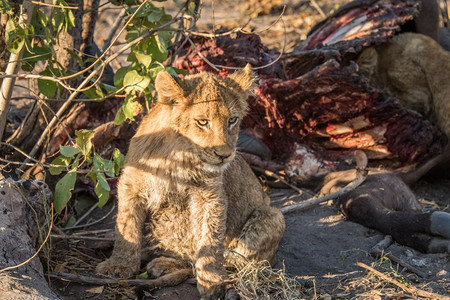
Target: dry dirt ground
319, 247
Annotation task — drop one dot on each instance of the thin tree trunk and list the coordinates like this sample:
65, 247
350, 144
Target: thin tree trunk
13, 66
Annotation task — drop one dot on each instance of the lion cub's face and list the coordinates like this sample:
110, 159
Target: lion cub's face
207, 110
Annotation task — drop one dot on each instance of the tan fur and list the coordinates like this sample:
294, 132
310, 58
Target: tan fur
414, 68
198, 196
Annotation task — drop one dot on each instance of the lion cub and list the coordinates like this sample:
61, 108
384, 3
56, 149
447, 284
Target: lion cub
183, 176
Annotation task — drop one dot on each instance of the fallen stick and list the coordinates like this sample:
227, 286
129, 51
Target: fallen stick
361, 175
316, 201
80, 237
171, 279
382, 245
378, 251
407, 289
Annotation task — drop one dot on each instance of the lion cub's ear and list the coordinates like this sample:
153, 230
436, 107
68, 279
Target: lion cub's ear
245, 78
169, 92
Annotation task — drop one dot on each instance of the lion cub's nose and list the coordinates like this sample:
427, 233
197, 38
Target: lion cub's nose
222, 155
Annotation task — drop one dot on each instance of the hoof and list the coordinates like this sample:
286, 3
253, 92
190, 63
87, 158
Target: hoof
440, 224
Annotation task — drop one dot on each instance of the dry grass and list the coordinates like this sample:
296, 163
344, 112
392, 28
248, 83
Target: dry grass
258, 280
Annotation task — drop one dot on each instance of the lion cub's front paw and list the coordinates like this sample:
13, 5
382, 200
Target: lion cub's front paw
113, 268
164, 265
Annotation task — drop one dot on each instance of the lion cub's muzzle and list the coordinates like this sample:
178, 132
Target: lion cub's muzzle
222, 156
218, 155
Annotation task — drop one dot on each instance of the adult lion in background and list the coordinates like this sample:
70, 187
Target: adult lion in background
182, 175
414, 68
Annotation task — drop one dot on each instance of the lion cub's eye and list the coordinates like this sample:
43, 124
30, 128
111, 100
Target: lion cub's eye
232, 121
202, 122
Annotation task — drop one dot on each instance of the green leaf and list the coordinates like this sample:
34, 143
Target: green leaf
62, 161
131, 2
5, 6
47, 87
108, 88
118, 77
91, 93
42, 19
70, 222
104, 165
94, 92
36, 53
191, 8
133, 81
102, 194
155, 15
75, 56
69, 151
160, 41
64, 187
142, 275
102, 189
84, 140
127, 110
131, 35
14, 36
149, 99
68, 16
154, 48
155, 70
118, 159
101, 179
120, 117
175, 71
145, 59
57, 20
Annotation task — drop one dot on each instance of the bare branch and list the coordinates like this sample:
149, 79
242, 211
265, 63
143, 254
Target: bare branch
13, 66
54, 5
165, 280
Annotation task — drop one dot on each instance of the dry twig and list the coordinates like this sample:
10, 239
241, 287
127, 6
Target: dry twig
80, 237
91, 223
316, 201
408, 289
163, 281
379, 250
